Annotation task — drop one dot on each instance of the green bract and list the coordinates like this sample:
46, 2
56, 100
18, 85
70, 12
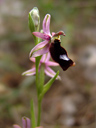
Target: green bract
34, 19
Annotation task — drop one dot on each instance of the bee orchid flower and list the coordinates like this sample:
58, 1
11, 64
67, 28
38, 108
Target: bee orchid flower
51, 44
46, 62
26, 123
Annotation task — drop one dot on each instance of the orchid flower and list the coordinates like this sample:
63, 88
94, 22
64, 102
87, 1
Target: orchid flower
26, 123
43, 47
51, 44
46, 62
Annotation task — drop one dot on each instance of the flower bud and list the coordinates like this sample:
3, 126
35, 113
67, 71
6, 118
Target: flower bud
34, 19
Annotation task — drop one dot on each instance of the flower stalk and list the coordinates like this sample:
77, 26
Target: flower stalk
33, 115
42, 62
39, 112
40, 55
41, 78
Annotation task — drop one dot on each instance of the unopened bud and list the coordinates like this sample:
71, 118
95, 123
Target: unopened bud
34, 19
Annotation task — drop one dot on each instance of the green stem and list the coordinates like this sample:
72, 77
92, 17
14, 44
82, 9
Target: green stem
38, 85
32, 115
37, 78
41, 79
40, 88
36, 75
39, 113
36, 40
37, 59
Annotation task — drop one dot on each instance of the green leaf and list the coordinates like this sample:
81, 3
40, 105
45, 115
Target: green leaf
37, 61
48, 85
31, 23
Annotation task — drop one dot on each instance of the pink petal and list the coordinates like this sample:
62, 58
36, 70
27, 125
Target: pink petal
53, 33
46, 24
26, 122
45, 58
59, 33
43, 36
40, 49
50, 63
49, 72
29, 72
32, 59
16, 126
48, 57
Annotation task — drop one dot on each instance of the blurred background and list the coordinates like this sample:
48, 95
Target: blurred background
70, 102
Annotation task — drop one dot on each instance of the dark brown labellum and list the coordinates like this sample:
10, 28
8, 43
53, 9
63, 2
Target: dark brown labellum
59, 55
